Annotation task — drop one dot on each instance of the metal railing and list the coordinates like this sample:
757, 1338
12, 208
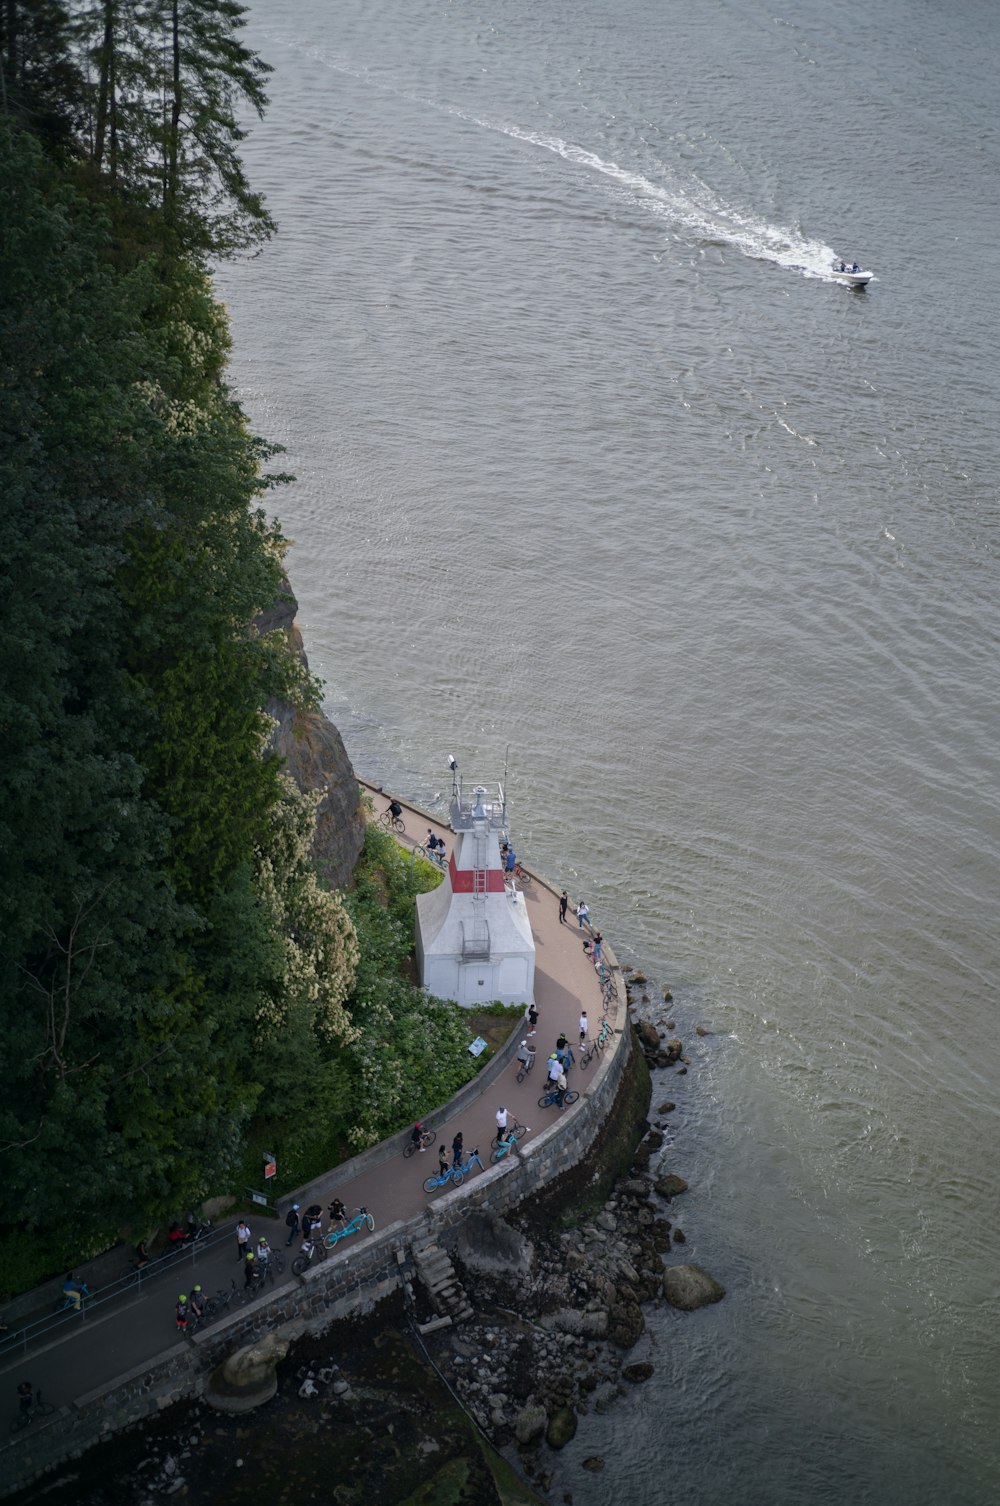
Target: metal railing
19, 1339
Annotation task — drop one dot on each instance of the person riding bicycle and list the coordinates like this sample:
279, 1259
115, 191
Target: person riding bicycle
181, 1313
176, 1237
25, 1396
443, 1167
416, 1136
395, 810
501, 1124
263, 1250
142, 1255
336, 1212
196, 1302
525, 1054
74, 1291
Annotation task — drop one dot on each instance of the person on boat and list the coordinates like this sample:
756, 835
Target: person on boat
841, 268
855, 267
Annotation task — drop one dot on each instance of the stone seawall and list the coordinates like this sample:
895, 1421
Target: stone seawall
343, 1286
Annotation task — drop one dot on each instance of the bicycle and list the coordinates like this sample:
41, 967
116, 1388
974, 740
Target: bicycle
599, 1042
309, 1249
362, 1220
223, 1298
437, 856
504, 1147
26, 1415
442, 1178
514, 1127
426, 1139
563, 1097
273, 1265
517, 872
391, 822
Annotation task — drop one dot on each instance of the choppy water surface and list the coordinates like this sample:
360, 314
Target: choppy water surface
595, 461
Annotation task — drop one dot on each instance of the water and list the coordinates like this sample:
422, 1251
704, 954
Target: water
595, 462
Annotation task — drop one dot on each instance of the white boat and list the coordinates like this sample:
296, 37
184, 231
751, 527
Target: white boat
851, 277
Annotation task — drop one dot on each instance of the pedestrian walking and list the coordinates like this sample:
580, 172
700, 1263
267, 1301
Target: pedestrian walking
563, 907
532, 1018
181, 1313
583, 1027
456, 1150
292, 1220
582, 913
243, 1238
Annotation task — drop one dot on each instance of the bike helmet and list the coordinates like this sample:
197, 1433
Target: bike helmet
249, 1254
182, 1297
261, 1241
194, 1289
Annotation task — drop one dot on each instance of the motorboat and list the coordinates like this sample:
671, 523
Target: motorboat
851, 276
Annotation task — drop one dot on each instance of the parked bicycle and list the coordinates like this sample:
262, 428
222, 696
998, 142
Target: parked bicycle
514, 1127
503, 1148
427, 1138
312, 1249
561, 1096
361, 1219
221, 1302
599, 1042
392, 820
32, 1405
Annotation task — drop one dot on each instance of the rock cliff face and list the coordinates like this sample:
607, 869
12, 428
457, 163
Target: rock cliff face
316, 758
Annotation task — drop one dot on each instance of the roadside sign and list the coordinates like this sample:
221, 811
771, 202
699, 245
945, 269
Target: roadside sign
478, 1046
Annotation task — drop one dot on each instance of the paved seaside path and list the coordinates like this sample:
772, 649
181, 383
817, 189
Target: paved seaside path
130, 1331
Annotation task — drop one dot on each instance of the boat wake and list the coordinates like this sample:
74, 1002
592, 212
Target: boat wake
691, 208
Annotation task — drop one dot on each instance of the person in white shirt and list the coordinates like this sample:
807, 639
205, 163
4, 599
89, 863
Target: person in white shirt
501, 1123
583, 1027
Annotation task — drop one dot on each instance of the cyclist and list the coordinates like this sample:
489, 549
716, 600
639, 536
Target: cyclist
336, 1212
74, 1291
501, 1124
443, 1167
196, 1302
181, 1313
263, 1253
395, 810
142, 1255
525, 1054
26, 1397
176, 1237
417, 1135
251, 1270
456, 1149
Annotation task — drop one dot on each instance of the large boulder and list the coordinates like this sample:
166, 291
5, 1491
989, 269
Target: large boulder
487, 1243
593, 1325
670, 1185
248, 1377
648, 1034
688, 1287
530, 1424
316, 758
561, 1428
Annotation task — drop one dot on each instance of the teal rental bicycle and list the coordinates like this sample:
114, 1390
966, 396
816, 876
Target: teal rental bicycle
503, 1148
597, 1044
362, 1219
456, 1174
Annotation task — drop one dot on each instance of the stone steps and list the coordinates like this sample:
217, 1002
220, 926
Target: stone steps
437, 1275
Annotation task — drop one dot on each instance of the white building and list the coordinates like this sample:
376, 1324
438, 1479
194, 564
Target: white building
474, 940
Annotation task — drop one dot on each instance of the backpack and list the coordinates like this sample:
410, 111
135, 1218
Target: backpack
291, 1218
